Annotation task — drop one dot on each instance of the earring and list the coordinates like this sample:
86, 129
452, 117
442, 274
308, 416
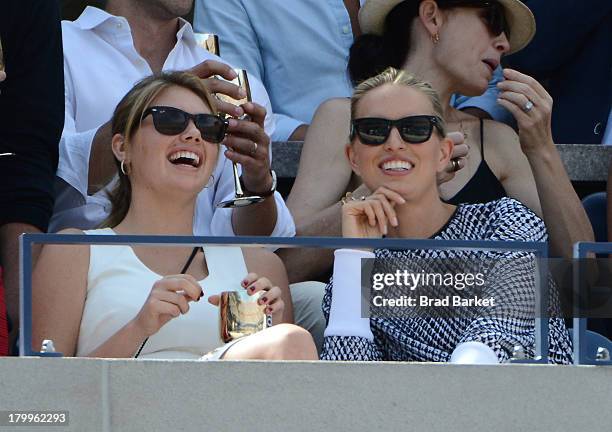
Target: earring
123, 170
211, 181
435, 38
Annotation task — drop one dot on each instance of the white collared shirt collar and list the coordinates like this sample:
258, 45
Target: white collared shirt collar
93, 17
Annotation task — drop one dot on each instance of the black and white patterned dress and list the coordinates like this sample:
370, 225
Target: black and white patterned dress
426, 338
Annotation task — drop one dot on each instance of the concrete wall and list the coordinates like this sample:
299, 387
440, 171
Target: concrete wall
129, 395
583, 162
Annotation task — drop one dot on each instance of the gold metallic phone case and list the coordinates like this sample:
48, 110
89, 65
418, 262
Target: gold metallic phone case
208, 41
242, 81
240, 315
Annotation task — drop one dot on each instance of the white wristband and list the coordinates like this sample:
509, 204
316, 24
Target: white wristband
345, 312
473, 353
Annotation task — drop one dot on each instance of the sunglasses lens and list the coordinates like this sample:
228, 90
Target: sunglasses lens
373, 132
415, 129
169, 121
496, 20
211, 127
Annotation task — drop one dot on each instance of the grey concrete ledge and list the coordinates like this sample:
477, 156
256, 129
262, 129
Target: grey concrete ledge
583, 162
130, 395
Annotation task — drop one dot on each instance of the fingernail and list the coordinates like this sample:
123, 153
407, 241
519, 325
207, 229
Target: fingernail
268, 310
394, 220
264, 299
239, 112
251, 288
245, 283
233, 123
242, 93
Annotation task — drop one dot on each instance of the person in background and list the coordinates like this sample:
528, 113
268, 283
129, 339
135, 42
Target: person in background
398, 146
299, 49
499, 163
31, 120
123, 301
572, 54
128, 41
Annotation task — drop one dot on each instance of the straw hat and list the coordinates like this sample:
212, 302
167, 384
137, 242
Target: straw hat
520, 20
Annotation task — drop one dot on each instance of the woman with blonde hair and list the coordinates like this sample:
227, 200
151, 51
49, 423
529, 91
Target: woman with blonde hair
455, 45
121, 301
398, 147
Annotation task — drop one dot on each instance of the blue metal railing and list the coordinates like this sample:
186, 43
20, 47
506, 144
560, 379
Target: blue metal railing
580, 336
27, 241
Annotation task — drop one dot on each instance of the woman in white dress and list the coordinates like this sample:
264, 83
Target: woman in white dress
116, 301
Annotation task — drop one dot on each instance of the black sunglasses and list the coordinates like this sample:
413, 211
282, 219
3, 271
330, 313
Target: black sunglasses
494, 17
173, 121
414, 129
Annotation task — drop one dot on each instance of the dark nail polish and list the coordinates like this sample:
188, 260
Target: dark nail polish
264, 299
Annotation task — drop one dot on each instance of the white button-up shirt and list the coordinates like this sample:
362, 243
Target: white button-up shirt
101, 65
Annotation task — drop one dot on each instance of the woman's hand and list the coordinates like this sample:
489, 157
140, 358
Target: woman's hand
370, 216
248, 144
458, 157
168, 299
270, 295
531, 106
209, 71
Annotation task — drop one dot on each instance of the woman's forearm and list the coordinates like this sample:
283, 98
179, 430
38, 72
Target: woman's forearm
123, 344
565, 218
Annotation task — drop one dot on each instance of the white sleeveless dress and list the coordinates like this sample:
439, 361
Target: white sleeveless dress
118, 284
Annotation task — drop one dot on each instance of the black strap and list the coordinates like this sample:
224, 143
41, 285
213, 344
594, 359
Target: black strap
190, 259
194, 252
482, 138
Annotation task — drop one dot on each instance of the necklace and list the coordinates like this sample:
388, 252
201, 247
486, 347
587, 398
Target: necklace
465, 135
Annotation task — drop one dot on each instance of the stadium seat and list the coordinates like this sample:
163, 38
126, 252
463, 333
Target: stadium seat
598, 347
595, 206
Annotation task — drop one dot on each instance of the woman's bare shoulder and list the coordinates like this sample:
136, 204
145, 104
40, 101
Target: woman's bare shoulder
65, 253
336, 111
499, 132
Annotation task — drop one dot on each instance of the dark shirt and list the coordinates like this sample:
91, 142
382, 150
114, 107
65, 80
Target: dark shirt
31, 109
484, 186
571, 54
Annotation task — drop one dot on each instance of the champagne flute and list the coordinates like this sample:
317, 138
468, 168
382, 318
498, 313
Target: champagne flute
240, 199
210, 42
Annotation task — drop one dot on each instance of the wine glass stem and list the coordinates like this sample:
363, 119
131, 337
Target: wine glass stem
237, 185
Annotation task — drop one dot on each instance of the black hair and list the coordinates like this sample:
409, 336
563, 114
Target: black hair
371, 54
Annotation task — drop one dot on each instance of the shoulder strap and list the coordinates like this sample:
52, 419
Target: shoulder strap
190, 259
482, 138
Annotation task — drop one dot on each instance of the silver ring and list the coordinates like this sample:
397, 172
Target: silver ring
254, 149
528, 106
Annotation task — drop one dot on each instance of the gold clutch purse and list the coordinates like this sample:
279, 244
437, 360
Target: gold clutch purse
240, 315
